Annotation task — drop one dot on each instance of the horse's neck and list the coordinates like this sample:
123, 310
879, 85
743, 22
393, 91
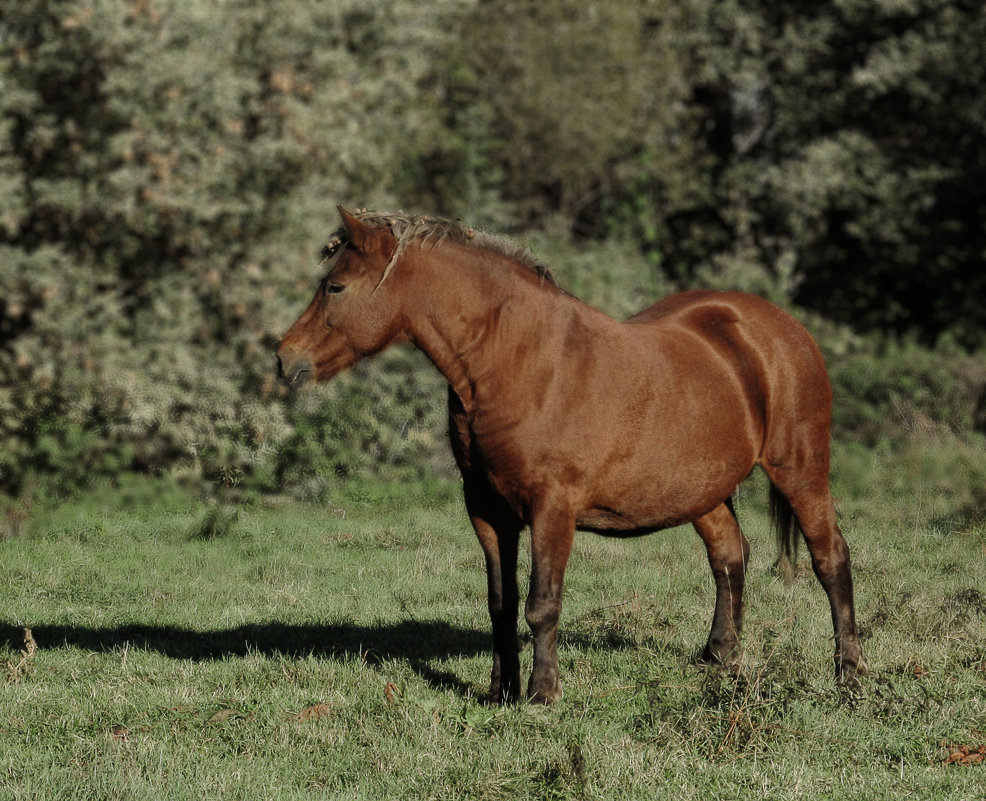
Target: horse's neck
469, 307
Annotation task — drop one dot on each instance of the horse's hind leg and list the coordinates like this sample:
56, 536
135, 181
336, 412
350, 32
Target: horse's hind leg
811, 502
728, 553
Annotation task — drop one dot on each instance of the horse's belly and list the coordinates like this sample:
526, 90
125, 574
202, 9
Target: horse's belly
645, 518
613, 522
638, 501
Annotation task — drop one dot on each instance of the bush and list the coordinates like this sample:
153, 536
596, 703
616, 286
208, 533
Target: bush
887, 389
166, 168
387, 417
161, 164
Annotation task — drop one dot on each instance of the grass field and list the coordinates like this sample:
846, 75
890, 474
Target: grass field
278, 650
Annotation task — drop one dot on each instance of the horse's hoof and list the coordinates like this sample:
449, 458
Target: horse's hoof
544, 694
720, 656
500, 697
848, 674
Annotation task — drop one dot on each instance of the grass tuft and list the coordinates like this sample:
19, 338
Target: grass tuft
219, 521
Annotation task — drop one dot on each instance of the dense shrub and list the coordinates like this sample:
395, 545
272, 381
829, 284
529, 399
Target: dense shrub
388, 417
169, 168
886, 389
165, 170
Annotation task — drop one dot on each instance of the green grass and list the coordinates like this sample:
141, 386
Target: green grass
278, 650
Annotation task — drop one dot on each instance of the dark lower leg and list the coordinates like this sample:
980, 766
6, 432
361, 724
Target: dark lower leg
727, 621
551, 544
835, 575
728, 552
498, 532
503, 603
831, 565
543, 612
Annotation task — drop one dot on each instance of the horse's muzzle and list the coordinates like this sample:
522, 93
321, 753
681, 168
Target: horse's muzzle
295, 371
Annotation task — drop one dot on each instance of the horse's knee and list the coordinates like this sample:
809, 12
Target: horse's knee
542, 612
727, 549
829, 555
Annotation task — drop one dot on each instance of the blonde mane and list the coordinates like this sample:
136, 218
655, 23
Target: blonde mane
433, 231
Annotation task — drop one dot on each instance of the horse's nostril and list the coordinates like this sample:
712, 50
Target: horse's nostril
294, 370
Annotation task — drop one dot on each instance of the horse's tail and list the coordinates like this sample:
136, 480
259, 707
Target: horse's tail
787, 533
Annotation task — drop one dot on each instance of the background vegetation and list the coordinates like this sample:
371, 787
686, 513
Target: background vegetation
169, 169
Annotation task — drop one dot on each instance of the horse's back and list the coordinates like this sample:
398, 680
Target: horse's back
771, 353
700, 307
735, 322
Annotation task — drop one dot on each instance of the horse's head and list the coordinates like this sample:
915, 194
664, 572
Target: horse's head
347, 319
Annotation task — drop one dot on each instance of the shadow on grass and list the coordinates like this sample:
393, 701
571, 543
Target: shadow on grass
419, 642
964, 518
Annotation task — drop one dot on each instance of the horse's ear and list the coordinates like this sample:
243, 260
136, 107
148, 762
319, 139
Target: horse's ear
356, 231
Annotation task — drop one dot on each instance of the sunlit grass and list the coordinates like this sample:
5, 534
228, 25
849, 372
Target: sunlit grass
341, 651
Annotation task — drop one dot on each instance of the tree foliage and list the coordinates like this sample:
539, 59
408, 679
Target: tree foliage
859, 155
162, 163
168, 170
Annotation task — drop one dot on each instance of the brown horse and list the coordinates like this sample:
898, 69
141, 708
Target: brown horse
562, 418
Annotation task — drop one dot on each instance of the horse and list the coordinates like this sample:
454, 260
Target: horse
562, 418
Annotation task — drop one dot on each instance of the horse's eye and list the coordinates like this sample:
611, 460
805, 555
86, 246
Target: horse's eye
332, 288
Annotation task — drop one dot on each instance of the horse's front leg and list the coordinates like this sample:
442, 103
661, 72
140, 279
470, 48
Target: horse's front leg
500, 549
552, 532
498, 532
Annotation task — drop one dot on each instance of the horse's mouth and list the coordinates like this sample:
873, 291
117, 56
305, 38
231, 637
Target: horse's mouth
299, 379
